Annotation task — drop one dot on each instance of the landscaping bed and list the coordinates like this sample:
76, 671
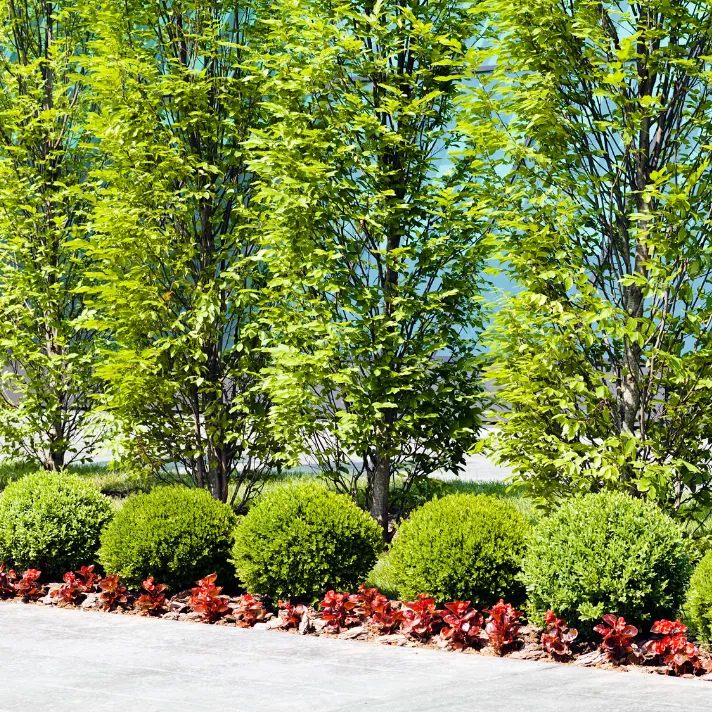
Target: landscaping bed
371, 617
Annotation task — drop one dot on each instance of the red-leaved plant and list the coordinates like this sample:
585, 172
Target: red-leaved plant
422, 619
71, 591
558, 637
369, 601
293, 614
386, 619
76, 585
339, 610
7, 582
617, 644
249, 611
678, 653
90, 580
502, 627
152, 602
462, 626
27, 587
205, 599
113, 594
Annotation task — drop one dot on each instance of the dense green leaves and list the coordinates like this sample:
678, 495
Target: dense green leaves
461, 547
300, 541
601, 116
47, 358
603, 553
373, 237
172, 533
699, 599
51, 521
179, 287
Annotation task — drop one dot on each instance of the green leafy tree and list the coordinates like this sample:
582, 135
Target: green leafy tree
180, 287
373, 235
602, 354
46, 359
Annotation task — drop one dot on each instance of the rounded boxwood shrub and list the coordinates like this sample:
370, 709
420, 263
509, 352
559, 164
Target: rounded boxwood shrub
699, 599
606, 553
299, 541
51, 521
461, 547
175, 534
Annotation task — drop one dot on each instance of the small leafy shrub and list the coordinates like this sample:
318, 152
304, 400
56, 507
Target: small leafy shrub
249, 611
462, 626
558, 637
299, 541
339, 610
152, 601
385, 619
205, 599
293, 614
7, 581
76, 585
678, 653
89, 579
502, 626
27, 586
175, 534
617, 644
72, 591
422, 619
52, 522
606, 552
369, 601
113, 594
699, 599
461, 547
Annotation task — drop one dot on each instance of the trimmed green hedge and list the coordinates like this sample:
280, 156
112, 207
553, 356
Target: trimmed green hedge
607, 553
51, 521
461, 547
699, 599
175, 534
299, 541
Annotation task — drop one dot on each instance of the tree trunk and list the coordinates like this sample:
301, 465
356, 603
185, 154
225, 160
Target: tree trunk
379, 490
632, 424
218, 459
53, 460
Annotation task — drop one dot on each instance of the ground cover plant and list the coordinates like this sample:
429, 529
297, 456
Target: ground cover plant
153, 600
618, 637
502, 626
558, 637
76, 585
51, 521
207, 600
113, 593
679, 654
172, 533
463, 624
301, 541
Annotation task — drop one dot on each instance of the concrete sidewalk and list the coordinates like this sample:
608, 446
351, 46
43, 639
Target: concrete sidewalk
59, 659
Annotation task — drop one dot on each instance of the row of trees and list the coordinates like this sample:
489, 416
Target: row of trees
236, 232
